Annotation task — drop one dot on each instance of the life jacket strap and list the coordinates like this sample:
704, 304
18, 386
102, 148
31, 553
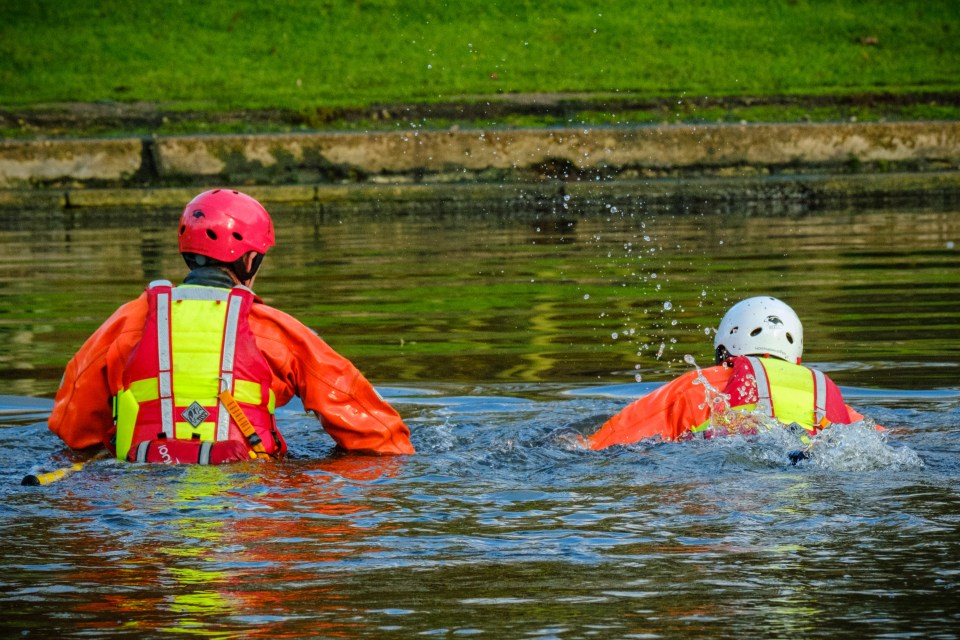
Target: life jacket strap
820, 398
764, 400
203, 457
246, 428
165, 373
228, 356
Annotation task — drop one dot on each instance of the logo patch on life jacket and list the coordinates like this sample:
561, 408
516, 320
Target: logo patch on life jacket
195, 414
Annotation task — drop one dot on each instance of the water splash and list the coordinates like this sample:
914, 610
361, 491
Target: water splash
858, 447
842, 447
724, 420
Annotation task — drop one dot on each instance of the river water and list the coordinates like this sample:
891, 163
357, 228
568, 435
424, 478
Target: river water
501, 333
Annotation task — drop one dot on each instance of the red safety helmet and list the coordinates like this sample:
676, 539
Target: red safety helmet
225, 224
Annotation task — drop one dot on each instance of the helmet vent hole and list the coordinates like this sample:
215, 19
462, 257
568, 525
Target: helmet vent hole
756, 332
211, 234
790, 338
237, 236
183, 228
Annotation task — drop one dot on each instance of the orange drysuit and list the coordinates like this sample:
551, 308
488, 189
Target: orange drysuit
676, 408
303, 365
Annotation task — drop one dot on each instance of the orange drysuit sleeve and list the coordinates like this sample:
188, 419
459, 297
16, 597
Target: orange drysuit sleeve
83, 409
667, 412
303, 365
351, 411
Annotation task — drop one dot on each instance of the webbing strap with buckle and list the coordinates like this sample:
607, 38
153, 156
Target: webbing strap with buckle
246, 427
764, 399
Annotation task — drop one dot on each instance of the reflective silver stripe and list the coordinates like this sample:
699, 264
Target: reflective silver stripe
163, 330
230, 334
142, 451
165, 377
204, 457
165, 382
764, 403
819, 397
200, 293
228, 355
166, 416
223, 421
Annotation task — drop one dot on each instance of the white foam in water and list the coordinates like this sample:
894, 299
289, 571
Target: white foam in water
858, 447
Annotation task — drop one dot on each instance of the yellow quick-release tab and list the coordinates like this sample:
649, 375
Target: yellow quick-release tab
243, 422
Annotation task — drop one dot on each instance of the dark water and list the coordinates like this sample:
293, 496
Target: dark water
501, 334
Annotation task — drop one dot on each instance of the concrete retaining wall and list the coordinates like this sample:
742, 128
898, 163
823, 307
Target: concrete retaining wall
32, 163
475, 155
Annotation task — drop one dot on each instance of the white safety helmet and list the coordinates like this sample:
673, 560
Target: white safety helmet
760, 326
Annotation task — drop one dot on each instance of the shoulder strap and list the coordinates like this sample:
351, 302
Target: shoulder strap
819, 397
227, 358
200, 293
165, 359
764, 401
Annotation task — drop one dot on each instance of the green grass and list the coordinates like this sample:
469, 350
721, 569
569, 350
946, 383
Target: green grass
304, 56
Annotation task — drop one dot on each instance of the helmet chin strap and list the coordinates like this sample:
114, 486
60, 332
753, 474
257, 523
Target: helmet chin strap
722, 355
242, 271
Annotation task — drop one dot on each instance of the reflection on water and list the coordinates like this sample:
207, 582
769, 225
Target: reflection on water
500, 526
501, 337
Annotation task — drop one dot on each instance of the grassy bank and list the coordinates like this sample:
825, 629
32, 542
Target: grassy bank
324, 59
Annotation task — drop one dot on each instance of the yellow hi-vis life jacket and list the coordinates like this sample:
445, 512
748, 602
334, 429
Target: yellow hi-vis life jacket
790, 393
196, 379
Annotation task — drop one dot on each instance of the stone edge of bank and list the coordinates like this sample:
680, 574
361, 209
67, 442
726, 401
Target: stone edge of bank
771, 161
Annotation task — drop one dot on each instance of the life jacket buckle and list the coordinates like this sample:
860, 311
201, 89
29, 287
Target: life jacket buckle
244, 424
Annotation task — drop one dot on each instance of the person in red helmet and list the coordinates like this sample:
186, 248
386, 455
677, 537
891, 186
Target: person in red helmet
758, 347
193, 373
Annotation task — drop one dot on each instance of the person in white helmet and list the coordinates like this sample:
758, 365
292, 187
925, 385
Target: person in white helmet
758, 346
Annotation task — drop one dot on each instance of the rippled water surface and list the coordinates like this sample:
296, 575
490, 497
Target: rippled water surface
501, 334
